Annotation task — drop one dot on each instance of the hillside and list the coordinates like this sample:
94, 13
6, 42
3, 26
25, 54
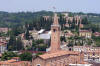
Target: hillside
20, 18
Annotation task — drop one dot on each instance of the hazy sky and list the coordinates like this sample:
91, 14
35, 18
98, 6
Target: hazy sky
61, 5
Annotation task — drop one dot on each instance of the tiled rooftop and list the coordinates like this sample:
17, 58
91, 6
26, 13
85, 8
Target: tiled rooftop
58, 53
13, 62
85, 30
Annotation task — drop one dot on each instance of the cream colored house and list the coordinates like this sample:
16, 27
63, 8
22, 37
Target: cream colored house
85, 33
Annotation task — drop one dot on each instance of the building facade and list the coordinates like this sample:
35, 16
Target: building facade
85, 33
90, 53
5, 30
3, 47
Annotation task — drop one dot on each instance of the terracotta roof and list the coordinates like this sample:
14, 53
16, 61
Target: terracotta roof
97, 33
58, 53
8, 61
85, 31
13, 62
15, 58
3, 43
4, 29
22, 51
69, 34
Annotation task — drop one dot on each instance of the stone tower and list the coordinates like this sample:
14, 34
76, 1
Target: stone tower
55, 35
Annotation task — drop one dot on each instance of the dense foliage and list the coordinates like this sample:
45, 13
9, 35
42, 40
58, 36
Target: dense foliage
20, 18
38, 45
35, 19
26, 56
15, 44
8, 55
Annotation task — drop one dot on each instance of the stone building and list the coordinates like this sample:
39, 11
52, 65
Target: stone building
3, 47
77, 19
56, 56
46, 17
5, 30
90, 53
85, 33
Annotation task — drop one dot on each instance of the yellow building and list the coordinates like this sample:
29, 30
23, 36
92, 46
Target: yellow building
85, 33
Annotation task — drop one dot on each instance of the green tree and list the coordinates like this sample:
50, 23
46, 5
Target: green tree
26, 56
19, 44
8, 55
38, 45
12, 43
27, 34
62, 38
70, 44
85, 21
42, 47
39, 54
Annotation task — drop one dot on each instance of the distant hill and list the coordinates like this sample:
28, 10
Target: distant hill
14, 19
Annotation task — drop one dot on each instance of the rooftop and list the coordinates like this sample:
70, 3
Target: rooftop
97, 33
41, 31
3, 43
44, 36
85, 31
58, 53
13, 62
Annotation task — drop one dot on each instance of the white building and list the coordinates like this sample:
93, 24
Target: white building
45, 37
80, 64
90, 53
3, 47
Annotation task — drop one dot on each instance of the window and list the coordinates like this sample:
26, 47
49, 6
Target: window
38, 65
54, 30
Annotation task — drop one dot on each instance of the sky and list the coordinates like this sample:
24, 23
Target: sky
86, 6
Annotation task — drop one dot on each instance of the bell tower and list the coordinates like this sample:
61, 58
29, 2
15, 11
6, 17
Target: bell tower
55, 35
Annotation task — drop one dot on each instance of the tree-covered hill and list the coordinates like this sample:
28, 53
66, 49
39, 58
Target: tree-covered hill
14, 19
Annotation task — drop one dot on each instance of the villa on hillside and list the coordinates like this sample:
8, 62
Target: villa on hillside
85, 33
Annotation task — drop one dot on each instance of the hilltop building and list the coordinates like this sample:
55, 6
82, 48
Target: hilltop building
85, 33
56, 56
46, 17
77, 20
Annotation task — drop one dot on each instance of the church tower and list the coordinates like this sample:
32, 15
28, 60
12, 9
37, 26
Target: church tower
55, 35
